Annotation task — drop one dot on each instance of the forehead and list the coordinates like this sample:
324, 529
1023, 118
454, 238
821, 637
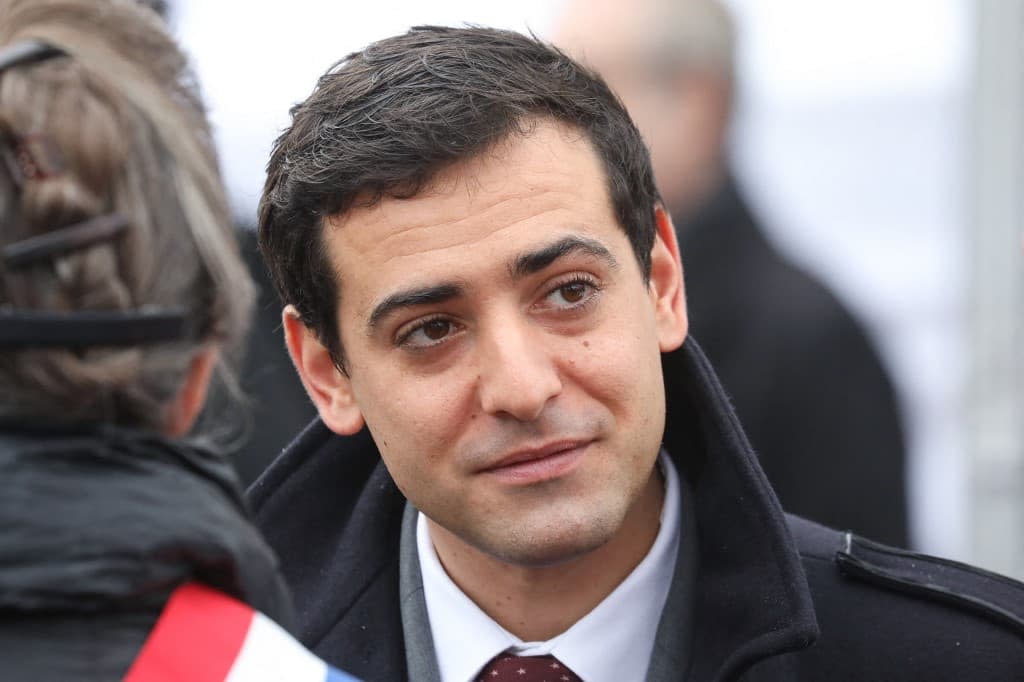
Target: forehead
526, 190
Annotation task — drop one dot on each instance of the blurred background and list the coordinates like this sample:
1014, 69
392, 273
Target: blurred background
881, 144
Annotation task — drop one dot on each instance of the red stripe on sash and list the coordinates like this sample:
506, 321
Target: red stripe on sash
197, 638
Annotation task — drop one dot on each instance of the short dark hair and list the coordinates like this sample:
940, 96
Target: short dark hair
383, 121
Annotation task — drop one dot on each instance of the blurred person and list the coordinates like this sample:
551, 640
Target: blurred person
126, 549
523, 468
814, 396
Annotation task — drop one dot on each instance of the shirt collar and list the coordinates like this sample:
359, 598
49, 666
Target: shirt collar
612, 642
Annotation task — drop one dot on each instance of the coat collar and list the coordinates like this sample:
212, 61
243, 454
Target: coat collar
332, 512
752, 597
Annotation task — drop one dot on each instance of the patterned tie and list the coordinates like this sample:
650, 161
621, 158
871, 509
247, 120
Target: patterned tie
510, 668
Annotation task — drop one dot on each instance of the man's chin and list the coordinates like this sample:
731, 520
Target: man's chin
542, 548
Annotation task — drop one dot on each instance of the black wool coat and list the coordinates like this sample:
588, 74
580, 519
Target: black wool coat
777, 597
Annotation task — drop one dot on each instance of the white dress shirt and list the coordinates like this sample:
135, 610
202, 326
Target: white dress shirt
611, 643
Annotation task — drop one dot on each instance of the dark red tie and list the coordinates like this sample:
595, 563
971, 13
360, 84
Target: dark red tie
509, 668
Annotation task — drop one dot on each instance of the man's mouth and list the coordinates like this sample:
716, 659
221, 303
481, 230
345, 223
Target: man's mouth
535, 464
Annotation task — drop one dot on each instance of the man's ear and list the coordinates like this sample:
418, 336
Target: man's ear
327, 386
666, 284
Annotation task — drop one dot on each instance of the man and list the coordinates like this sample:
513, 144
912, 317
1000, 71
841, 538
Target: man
812, 393
522, 469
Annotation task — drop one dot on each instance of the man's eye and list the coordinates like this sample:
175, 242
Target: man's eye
428, 333
572, 294
435, 330
574, 291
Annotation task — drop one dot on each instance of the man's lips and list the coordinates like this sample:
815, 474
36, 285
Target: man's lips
529, 465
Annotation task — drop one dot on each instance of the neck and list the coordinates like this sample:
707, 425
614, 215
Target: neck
536, 603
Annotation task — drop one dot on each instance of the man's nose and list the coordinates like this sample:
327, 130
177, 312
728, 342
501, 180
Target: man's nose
518, 375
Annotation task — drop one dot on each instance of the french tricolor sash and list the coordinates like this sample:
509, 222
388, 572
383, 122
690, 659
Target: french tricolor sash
206, 636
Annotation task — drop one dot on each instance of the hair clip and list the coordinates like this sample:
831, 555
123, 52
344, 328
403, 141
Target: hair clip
33, 157
27, 51
31, 329
78, 236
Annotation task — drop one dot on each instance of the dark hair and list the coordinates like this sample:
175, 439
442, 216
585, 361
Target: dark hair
382, 122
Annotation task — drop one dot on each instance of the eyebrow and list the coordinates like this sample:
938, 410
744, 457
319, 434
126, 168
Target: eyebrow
412, 297
535, 261
521, 266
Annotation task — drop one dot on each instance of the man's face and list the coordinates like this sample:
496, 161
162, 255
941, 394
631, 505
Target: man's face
504, 349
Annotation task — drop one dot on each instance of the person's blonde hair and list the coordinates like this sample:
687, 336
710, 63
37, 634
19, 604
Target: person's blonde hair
121, 111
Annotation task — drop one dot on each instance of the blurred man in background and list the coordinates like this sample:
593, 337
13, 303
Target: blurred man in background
813, 395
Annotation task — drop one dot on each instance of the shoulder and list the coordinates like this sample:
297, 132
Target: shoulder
307, 497
330, 510
885, 610
857, 560
314, 474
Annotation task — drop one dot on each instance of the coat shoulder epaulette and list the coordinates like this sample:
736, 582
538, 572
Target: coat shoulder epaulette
985, 593
990, 595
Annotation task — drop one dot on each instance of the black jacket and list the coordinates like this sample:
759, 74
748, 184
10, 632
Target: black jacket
778, 598
98, 526
810, 390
